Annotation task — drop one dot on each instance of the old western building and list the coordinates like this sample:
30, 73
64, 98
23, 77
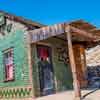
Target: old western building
38, 60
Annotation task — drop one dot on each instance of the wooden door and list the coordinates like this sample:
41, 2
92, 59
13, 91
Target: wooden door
45, 68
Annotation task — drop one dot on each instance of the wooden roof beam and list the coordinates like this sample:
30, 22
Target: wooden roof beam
85, 34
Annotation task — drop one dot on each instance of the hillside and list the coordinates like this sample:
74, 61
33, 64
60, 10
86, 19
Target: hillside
93, 56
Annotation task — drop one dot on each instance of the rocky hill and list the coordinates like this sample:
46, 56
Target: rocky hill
93, 56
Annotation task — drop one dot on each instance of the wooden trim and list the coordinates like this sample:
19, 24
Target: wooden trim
43, 43
29, 51
22, 20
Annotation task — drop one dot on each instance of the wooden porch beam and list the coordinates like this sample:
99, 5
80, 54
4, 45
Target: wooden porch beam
84, 33
73, 65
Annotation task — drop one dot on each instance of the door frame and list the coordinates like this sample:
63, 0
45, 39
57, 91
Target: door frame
49, 46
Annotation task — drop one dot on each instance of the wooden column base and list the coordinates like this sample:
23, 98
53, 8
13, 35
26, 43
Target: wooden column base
77, 98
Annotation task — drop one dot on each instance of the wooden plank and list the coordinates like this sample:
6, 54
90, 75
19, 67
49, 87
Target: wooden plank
79, 55
46, 32
29, 54
84, 33
58, 29
73, 65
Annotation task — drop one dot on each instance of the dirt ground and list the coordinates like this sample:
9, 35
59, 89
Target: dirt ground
69, 95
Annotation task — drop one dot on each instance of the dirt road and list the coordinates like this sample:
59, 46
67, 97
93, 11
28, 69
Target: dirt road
69, 95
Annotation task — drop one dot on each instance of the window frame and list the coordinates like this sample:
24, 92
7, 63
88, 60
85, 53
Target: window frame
9, 50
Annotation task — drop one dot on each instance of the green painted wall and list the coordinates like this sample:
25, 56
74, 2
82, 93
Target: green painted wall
35, 72
21, 69
62, 72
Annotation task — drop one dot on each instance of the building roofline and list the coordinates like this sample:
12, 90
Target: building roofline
27, 22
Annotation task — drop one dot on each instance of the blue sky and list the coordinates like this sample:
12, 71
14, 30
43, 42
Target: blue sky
54, 11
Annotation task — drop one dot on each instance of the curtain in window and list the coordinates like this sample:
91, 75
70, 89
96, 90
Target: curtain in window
8, 60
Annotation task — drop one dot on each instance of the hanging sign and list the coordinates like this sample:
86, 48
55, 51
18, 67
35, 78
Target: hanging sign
46, 32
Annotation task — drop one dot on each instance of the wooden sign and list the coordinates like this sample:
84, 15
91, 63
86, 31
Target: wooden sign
46, 32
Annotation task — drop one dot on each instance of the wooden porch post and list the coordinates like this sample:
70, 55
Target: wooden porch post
73, 65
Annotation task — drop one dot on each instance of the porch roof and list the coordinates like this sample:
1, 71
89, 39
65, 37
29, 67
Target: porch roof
81, 32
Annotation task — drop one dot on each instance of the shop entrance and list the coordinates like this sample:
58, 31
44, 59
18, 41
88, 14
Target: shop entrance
45, 68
